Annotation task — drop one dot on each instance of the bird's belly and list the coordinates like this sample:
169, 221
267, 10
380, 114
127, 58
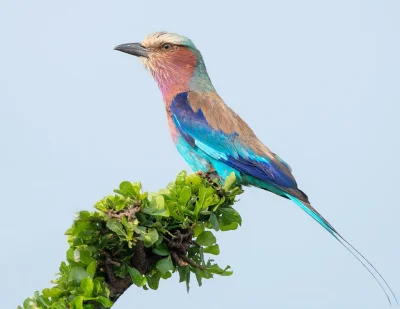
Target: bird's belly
196, 161
200, 161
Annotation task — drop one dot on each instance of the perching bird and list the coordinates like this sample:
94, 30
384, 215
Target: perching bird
212, 137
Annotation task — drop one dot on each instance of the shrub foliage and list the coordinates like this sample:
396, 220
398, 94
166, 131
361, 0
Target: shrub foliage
139, 238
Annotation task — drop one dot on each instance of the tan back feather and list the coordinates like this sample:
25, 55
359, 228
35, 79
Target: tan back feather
222, 117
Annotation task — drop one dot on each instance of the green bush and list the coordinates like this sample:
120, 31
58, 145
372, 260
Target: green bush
138, 238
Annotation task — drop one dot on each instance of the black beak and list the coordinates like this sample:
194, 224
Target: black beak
135, 49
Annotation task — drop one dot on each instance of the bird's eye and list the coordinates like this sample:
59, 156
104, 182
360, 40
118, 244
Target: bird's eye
166, 46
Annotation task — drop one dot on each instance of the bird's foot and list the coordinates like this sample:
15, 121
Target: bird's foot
210, 175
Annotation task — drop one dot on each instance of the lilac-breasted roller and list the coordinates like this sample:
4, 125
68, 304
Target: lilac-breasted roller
212, 137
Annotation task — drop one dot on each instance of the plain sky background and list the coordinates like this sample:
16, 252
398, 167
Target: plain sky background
318, 81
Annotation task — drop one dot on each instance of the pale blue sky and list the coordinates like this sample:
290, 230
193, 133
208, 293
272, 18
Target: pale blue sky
318, 81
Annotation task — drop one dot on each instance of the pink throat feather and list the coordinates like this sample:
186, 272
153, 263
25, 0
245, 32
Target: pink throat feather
173, 72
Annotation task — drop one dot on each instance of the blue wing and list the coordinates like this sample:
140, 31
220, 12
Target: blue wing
228, 147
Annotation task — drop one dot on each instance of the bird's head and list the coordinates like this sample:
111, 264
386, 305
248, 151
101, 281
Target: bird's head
173, 60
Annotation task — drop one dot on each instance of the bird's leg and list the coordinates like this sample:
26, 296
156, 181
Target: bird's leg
212, 177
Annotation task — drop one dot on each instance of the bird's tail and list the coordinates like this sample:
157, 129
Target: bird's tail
326, 225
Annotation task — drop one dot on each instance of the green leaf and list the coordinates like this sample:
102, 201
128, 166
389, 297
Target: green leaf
76, 275
137, 277
184, 275
228, 215
156, 207
180, 178
29, 303
194, 181
150, 237
161, 249
166, 275
127, 189
188, 282
71, 255
83, 254
200, 202
122, 271
141, 230
97, 289
183, 271
84, 215
43, 302
229, 227
115, 226
198, 229
219, 271
54, 292
91, 269
221, 202
230, 181
214, 222
199, 276
165, 265
77, 303
121, 202
154, 280
212, 249
102, 205
210, 198
87, 286
129, 227
185, 196
104, 301
206, 239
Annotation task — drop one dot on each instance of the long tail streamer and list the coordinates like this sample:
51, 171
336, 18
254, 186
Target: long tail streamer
371, 269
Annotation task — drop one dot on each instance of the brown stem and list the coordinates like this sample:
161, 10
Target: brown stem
129, 213
143, 260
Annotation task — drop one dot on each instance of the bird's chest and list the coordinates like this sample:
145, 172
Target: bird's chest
173, 130
190, 153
